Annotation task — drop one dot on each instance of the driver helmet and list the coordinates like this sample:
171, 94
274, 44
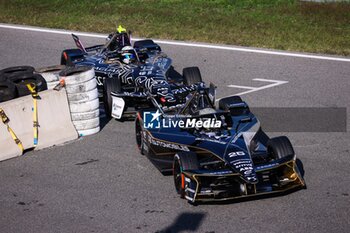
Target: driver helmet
128, 54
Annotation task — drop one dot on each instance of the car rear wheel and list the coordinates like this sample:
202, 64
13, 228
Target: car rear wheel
235, 105
224, 103
191, 75
139, 137
183, 161
279, 147
110, 85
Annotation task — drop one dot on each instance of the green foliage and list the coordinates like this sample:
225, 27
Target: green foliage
279, 24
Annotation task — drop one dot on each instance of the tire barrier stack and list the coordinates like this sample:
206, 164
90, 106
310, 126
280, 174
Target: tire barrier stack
51, 75
42, 118
22, 126
83, 98
14, 81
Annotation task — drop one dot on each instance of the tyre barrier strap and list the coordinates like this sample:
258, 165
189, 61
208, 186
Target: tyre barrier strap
6, 121
32, 89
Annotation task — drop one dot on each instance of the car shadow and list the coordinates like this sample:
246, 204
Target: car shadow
104, 119
301, 167
185, 222
248, 198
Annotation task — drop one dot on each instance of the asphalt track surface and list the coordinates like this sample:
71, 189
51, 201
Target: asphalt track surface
101, 183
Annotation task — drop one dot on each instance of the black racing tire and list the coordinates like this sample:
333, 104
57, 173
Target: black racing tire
3, 78
224, 103
110, 85
139, 136
279, 147
14, 71
66, 59
22, 80
183, 161
7, 91
191, 75
143, 43
107, 97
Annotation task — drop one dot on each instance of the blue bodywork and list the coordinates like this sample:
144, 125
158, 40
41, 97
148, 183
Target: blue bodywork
234, 160
149, 72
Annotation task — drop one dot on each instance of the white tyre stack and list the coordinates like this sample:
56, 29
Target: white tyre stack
83, 99
51, 75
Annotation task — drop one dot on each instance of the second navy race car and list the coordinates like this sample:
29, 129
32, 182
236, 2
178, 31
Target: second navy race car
125, 73
216, 153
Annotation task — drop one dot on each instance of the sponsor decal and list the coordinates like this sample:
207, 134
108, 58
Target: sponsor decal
187, 89
267, 166
236, 153
167, 144
220, 172
99, 80
211, 140
153, 120
245, 167
123, 72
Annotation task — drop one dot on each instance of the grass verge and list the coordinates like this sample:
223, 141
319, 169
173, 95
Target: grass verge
278, 24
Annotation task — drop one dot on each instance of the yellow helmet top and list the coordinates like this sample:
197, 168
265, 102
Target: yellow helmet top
120, 29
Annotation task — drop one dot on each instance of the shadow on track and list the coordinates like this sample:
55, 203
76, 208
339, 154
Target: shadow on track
185, 222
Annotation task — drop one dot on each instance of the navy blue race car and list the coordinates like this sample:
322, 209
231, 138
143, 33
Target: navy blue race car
124, 73
216, 153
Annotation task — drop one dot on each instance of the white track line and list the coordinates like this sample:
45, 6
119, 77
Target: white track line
240, 49
242, 87
254, 89
255, 51
55, 31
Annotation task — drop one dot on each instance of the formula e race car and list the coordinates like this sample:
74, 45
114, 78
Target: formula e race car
216, 153
124, 73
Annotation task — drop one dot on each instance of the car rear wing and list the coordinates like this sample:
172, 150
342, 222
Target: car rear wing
80, 45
